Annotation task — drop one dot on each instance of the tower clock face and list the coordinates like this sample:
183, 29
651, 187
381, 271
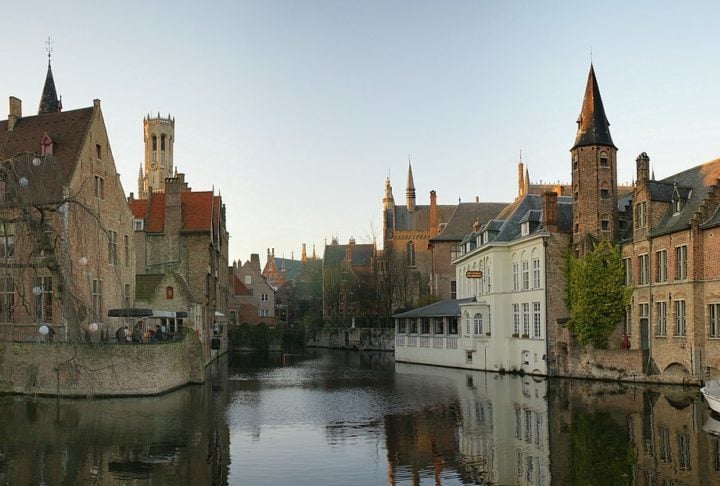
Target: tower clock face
153, 165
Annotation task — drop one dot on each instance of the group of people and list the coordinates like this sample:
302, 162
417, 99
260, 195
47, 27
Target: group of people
138, 335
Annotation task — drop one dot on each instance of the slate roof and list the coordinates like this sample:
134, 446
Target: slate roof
290, 268
693, 185
197, 211
419, 220
362, 254
444, 308
528, 208
593, 125
462, 219
49, 102
66, 129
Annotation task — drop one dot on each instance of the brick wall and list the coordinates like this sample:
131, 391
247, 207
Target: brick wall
96, 370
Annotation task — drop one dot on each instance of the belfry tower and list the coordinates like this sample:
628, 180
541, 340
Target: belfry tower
159, 139
594, 173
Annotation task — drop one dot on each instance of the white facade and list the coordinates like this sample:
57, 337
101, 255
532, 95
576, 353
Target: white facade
502, 324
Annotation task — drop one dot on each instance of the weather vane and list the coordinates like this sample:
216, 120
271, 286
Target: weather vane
49, 48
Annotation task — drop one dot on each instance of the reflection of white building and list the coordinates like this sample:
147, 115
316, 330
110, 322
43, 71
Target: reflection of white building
503, 427
504, 272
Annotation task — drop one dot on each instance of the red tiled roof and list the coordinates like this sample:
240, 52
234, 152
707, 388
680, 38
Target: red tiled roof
196, 211
238, 287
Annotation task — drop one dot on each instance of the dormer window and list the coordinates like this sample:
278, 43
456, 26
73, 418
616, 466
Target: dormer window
525, 228
677, 201
485, 237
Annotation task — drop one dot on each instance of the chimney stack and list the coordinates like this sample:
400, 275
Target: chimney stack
643, 167
550, 212
15, 112
434, 223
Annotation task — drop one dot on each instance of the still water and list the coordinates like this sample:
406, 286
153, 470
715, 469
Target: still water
349, 418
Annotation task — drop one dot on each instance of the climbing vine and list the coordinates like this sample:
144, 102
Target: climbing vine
596, 294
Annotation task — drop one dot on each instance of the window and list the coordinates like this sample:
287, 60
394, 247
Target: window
7, 299
452, 325
264, 313
641, 215
516, 319
605, 223
661, 328
412, 325
169, 293
138, 224
99, 187
468, 324
264, 297
410, 249
536, 273
526, 320
162, 142
644, 270
43, 292
248, 280
643, 310
516, 276
478, 321
681, 262
680, 318
604, 191
97, 298
604, 161
714, 318
425, 325
438, 324
684, 451
665, 455
468, 357
536, 319
661, 266
7, 240
453, 289
402, 326
525, 275
126, 240
112, 247
98, 151
154, 142
525, 228
628, 271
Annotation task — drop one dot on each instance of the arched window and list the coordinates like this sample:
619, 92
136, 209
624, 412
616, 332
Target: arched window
162, 142
411, 254
605, 222
478, 324
154, 142
468, 324
604, 191
604, 161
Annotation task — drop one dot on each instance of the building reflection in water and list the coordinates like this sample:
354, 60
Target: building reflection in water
171, 439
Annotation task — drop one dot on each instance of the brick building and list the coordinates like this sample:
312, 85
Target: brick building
348, 281
66, 246
259, 305
181, 245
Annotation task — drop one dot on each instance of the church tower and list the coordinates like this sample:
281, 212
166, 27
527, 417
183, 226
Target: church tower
388, 211
594, 173
159, 139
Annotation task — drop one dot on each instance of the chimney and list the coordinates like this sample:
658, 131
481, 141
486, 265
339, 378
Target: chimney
643, 167
433, 214
255, 261
15, 112
521, 179
550, 216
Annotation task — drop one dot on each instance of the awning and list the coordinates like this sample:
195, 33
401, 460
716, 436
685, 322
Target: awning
149, 313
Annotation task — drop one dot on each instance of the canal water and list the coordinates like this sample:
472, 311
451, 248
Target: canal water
350, 418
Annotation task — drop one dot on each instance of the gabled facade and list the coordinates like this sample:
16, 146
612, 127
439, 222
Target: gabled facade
508, 274
67, 251
348, 273
183, 233
259, 306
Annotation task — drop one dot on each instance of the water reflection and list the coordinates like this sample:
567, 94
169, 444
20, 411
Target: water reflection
360, 419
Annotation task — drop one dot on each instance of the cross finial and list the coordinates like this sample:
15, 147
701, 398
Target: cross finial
49, 48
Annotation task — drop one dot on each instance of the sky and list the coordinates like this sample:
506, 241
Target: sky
296, 111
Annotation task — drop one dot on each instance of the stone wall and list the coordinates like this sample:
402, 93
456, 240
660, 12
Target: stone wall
613, 364
363, 339
100, 369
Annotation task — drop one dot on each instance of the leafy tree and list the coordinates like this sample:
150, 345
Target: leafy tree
596, 293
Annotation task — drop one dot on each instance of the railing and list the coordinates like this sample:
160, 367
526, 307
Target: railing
412, 340
438, 342
452, 342
424, 341
399, 340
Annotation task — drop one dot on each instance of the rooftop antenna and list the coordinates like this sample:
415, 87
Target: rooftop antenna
49, 48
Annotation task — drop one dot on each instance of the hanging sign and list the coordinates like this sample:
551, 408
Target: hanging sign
474, 274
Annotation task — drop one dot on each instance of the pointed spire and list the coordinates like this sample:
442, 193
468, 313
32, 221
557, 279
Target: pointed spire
49, 102
410, 189
593, 126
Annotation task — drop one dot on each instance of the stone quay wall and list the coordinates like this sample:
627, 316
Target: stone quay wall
91, 369
361, 339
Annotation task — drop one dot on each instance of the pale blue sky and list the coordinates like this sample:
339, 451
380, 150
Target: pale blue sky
297, 110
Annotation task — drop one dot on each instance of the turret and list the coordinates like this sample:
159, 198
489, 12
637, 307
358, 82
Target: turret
410, 190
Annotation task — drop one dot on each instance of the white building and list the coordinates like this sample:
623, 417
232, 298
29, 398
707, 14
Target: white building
504, 305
